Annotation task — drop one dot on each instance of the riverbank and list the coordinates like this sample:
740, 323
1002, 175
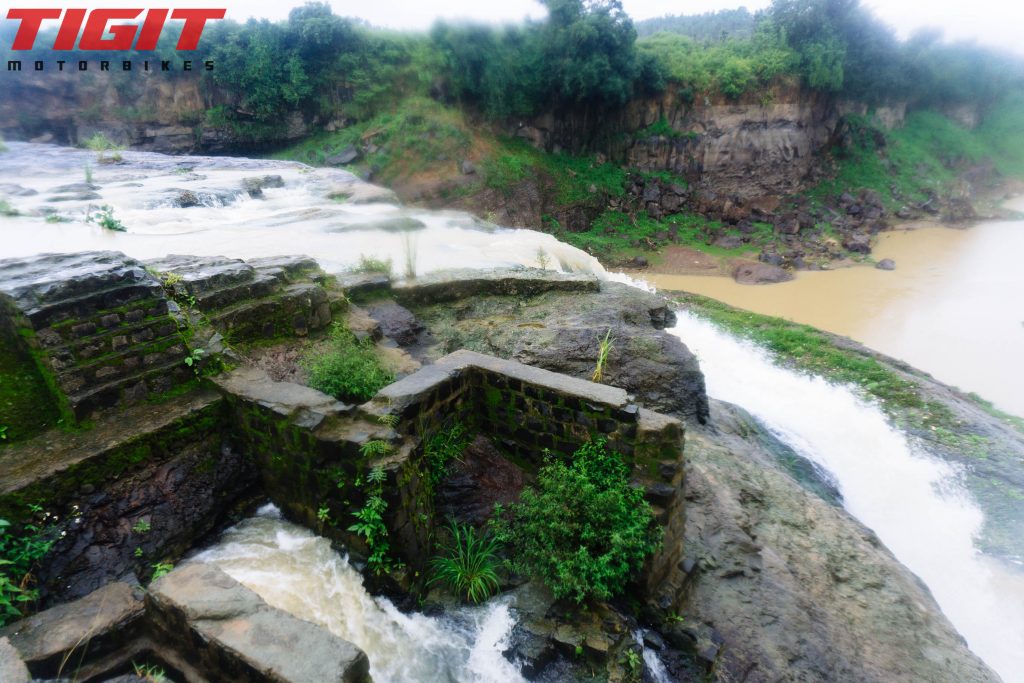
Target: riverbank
948, 308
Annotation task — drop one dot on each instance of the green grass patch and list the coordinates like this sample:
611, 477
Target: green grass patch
348, 369
417, 134
575, 178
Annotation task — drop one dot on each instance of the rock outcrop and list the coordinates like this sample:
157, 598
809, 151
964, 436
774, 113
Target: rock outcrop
798, 589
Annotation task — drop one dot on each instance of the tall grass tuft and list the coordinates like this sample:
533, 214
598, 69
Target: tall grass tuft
469, 563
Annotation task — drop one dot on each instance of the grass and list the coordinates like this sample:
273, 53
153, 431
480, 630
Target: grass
604, 348
349, 369
371, 264
442, 448
927, 154
416, 135
468, 563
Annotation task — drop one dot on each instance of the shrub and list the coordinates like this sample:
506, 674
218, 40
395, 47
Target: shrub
469, 563
583, 530
348, 370
19, 554
371, 264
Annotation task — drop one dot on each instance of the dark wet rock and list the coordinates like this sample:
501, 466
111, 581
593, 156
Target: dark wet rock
346, 156
361, 284
772, 258
76, 188
186, 199
451, 285
13, 190
857, 243
752, 273
397, 224
479, 479
396, 322
886, 264
561, 330
255, 186
728, 242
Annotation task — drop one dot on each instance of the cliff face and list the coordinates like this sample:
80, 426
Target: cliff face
748, 151
153, 112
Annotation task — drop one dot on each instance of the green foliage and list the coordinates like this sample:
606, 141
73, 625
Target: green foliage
19, 553
141, 527
3, 432
105, 219
705, 28
583, 529
573, 177
370, 522
468, 564
161, 569
150, 673
100, 143
348, 369
442, 448
370, 264
604, 347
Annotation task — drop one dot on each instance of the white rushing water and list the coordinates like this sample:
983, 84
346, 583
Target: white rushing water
296, 571
145, 189
914, 502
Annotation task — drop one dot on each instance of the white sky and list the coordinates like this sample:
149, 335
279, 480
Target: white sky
999, 23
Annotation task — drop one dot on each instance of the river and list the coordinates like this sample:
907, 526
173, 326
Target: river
954, 306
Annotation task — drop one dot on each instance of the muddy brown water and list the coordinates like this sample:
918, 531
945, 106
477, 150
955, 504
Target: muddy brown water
954, 306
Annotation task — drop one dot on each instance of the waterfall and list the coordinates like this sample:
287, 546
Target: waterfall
914, 502
297, 571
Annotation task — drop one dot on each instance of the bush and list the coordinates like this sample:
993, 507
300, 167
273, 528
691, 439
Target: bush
469, 565
443, 447
348, 370
19, 554
583, 530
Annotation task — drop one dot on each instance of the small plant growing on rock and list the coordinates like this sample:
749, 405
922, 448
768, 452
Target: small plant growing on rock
106, 220
101, 144
468, 563
161, 569
443, 447
141, 527
151, 673
19, 554
3, 432
370, 264
543, 260
194, 358
348, 370
371, 525
604, 348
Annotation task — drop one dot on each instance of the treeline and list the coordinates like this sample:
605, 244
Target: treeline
584, 59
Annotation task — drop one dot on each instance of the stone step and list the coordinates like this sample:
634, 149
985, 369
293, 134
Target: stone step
153, 380
88, 349
200, 275
296, 310
287, 268
260, 286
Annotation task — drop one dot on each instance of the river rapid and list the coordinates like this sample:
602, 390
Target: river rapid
916, 503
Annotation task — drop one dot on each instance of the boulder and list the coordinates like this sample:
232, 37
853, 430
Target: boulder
886, 264
857, 243
12, 669
396, 322
752, 273
255, 186
346, 156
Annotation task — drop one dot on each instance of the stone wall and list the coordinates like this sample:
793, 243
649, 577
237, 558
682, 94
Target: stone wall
138, 489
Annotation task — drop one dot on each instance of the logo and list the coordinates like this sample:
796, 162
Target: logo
123, 37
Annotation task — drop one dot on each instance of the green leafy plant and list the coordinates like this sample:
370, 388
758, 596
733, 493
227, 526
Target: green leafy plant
101, 144
442, 448
19, 554
138, 551
375, 448
105, 219
604, 348
323, 516
161, 569
582, 529
348, 370
3, 432
193, 359
371, 525
634, 665
141, 527
468, 563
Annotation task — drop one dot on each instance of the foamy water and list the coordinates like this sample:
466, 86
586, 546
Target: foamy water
913, 501
296, 571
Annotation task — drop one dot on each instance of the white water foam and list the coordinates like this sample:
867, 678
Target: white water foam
296, 571
913, 501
